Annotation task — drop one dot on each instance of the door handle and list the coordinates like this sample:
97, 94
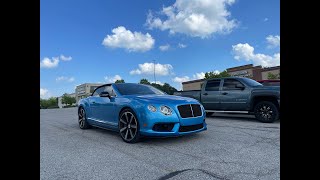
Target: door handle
224, 93
93, 102
205, 94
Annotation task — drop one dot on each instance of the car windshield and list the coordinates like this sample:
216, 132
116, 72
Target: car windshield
251, 82
136, 89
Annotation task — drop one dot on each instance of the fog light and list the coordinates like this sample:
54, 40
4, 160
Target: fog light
152, 108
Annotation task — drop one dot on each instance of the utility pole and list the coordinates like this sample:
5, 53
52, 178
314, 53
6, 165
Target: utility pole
154, 72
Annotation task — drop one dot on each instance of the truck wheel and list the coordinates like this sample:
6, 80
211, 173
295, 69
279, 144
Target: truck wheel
209, 114
266, 112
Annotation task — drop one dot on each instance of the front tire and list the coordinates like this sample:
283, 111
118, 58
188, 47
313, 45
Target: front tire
82, 119
266, 112
129, 128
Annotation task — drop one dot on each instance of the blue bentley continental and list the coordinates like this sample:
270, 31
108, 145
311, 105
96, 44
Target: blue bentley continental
136, 110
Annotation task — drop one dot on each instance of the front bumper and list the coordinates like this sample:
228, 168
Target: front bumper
173, 132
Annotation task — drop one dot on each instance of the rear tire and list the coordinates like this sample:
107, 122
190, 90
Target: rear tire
266, 112
129, 128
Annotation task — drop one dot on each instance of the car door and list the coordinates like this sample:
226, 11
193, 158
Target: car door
105, 107
210, 96
234, 95
93, 105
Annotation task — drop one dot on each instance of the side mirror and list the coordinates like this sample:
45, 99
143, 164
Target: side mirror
104, 94
240, 86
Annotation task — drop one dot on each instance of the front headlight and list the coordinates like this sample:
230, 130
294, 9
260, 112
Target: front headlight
152, 108
166, 110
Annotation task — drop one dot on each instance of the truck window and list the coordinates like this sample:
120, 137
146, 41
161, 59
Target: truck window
213, 85
230, 84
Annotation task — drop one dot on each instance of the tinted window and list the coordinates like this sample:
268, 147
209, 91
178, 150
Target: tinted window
132, 89
98, 91
230, 84
251, 82
213, 85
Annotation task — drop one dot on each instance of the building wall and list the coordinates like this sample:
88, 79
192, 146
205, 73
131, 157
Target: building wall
265, 73
192, 86
243, 73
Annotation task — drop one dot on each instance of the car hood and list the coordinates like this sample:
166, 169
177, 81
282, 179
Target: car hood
165, 99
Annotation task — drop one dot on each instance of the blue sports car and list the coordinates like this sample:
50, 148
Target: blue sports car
136, 110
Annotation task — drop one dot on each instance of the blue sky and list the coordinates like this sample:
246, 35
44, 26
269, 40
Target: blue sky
101, 41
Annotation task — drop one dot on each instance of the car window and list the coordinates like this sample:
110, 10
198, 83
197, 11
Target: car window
213, 85
230, 84
133, 89
109, 89
98, 91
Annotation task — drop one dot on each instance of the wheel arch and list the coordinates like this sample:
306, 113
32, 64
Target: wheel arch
257, 99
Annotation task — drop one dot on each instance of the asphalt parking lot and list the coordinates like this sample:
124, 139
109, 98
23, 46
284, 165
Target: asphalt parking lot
233, 147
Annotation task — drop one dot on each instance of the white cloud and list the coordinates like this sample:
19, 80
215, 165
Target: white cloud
44, 93
54, 61
199, 75
180, 45
181, 79
164, 47
265, 19
49, 63
112, 79
273, 41
246, 52
65, 79
64, 58
196, 18
148, 68
158, 82
123, 38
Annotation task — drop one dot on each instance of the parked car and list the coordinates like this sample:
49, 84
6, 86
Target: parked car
136, 110
240, 95
270, 82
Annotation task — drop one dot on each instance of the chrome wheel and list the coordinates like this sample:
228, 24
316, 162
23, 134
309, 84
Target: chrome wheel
266, 111
128, 126
82, 119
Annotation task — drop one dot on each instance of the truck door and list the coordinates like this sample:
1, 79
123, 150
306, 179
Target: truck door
210, 96
234, 95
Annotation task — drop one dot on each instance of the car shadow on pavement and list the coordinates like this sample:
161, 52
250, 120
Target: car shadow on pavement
148, 140
235, 117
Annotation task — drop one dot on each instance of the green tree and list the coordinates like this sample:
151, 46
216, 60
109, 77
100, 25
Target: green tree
272, 76
144, 81
49, 103
209, 75
119, 81
68, 100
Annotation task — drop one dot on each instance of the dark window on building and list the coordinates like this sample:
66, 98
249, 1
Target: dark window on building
213, 85
231, 84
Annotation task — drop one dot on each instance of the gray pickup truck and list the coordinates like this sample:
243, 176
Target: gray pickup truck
238, 95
